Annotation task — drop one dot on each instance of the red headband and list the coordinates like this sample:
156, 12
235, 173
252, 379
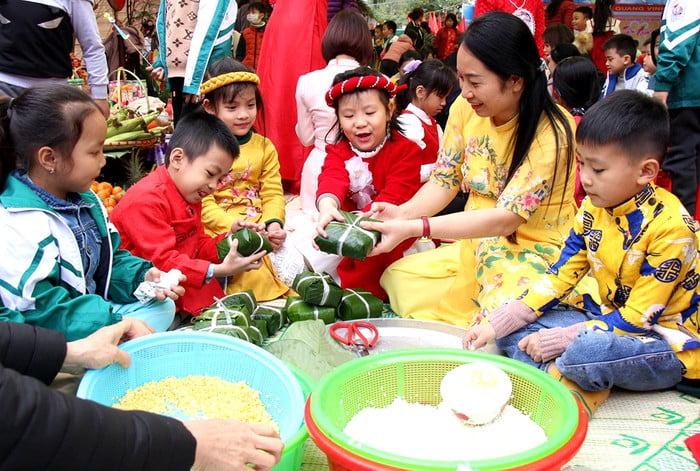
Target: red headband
359, 83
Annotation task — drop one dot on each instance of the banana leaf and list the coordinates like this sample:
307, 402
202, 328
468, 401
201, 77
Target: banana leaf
298, 310
317, 288
249, 243
348, 238
359, 304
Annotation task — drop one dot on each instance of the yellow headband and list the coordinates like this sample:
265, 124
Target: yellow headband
225, 79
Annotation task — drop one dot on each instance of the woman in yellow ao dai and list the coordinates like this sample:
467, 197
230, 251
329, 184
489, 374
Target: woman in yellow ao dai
510, 229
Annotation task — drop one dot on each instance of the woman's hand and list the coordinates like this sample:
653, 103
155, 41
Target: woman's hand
174, 292
99, 349
233, 445
383, 211
393, 233
276, 234
327, 212
478, 336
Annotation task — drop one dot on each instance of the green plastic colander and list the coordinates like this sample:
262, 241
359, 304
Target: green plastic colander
415, 375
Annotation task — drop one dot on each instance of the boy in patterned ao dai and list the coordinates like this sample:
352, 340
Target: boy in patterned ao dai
639, 243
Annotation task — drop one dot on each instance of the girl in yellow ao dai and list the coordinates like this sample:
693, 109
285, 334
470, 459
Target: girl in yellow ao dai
253, 189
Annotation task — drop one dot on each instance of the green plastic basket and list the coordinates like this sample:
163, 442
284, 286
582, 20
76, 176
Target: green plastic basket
415, 375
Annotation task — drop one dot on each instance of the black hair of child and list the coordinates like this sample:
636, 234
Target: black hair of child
432, 74
634, 122
197, 132
576, 83
391, 25
624, 44
652, 41
586, 11
44, 116
563, 51
385, 96
408, 55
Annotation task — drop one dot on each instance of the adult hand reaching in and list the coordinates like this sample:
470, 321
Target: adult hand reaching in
100, 348
234, 446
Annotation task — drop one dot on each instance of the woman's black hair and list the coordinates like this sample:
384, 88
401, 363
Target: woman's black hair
652, 41
601, 15
505, 45
552, 8
347, 33
44, 116
385, 97
432, 74
228, 93
576, 83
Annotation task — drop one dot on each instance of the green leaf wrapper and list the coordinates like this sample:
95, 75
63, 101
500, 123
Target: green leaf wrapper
298, 310
219, 315
274, 317
359, 304
249, 243
244, 298
319, 289
348, 238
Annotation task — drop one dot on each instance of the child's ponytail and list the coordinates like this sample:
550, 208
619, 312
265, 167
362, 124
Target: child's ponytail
7, 154
431, 74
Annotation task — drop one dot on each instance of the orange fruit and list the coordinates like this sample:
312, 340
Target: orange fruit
93, 186
105, 186
103, 193
110, 209
117, 196
109, 202
116, 190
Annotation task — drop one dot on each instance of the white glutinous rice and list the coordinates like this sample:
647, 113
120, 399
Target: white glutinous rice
435, 433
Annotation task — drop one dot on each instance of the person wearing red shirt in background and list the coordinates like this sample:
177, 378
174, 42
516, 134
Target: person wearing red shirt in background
446, 37
530, 11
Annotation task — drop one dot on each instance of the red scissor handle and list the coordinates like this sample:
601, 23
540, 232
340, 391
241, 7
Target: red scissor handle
353, 333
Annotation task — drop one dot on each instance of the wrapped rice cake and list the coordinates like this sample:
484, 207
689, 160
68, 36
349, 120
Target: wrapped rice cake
298, 310
359, 304
249, 243
274, 317
348, 238
317, 288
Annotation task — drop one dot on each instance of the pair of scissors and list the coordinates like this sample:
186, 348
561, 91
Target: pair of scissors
358, 336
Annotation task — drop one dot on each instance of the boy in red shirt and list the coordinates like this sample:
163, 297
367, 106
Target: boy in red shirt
160, 217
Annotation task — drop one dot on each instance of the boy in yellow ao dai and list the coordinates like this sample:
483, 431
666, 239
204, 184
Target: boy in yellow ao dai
457, 282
